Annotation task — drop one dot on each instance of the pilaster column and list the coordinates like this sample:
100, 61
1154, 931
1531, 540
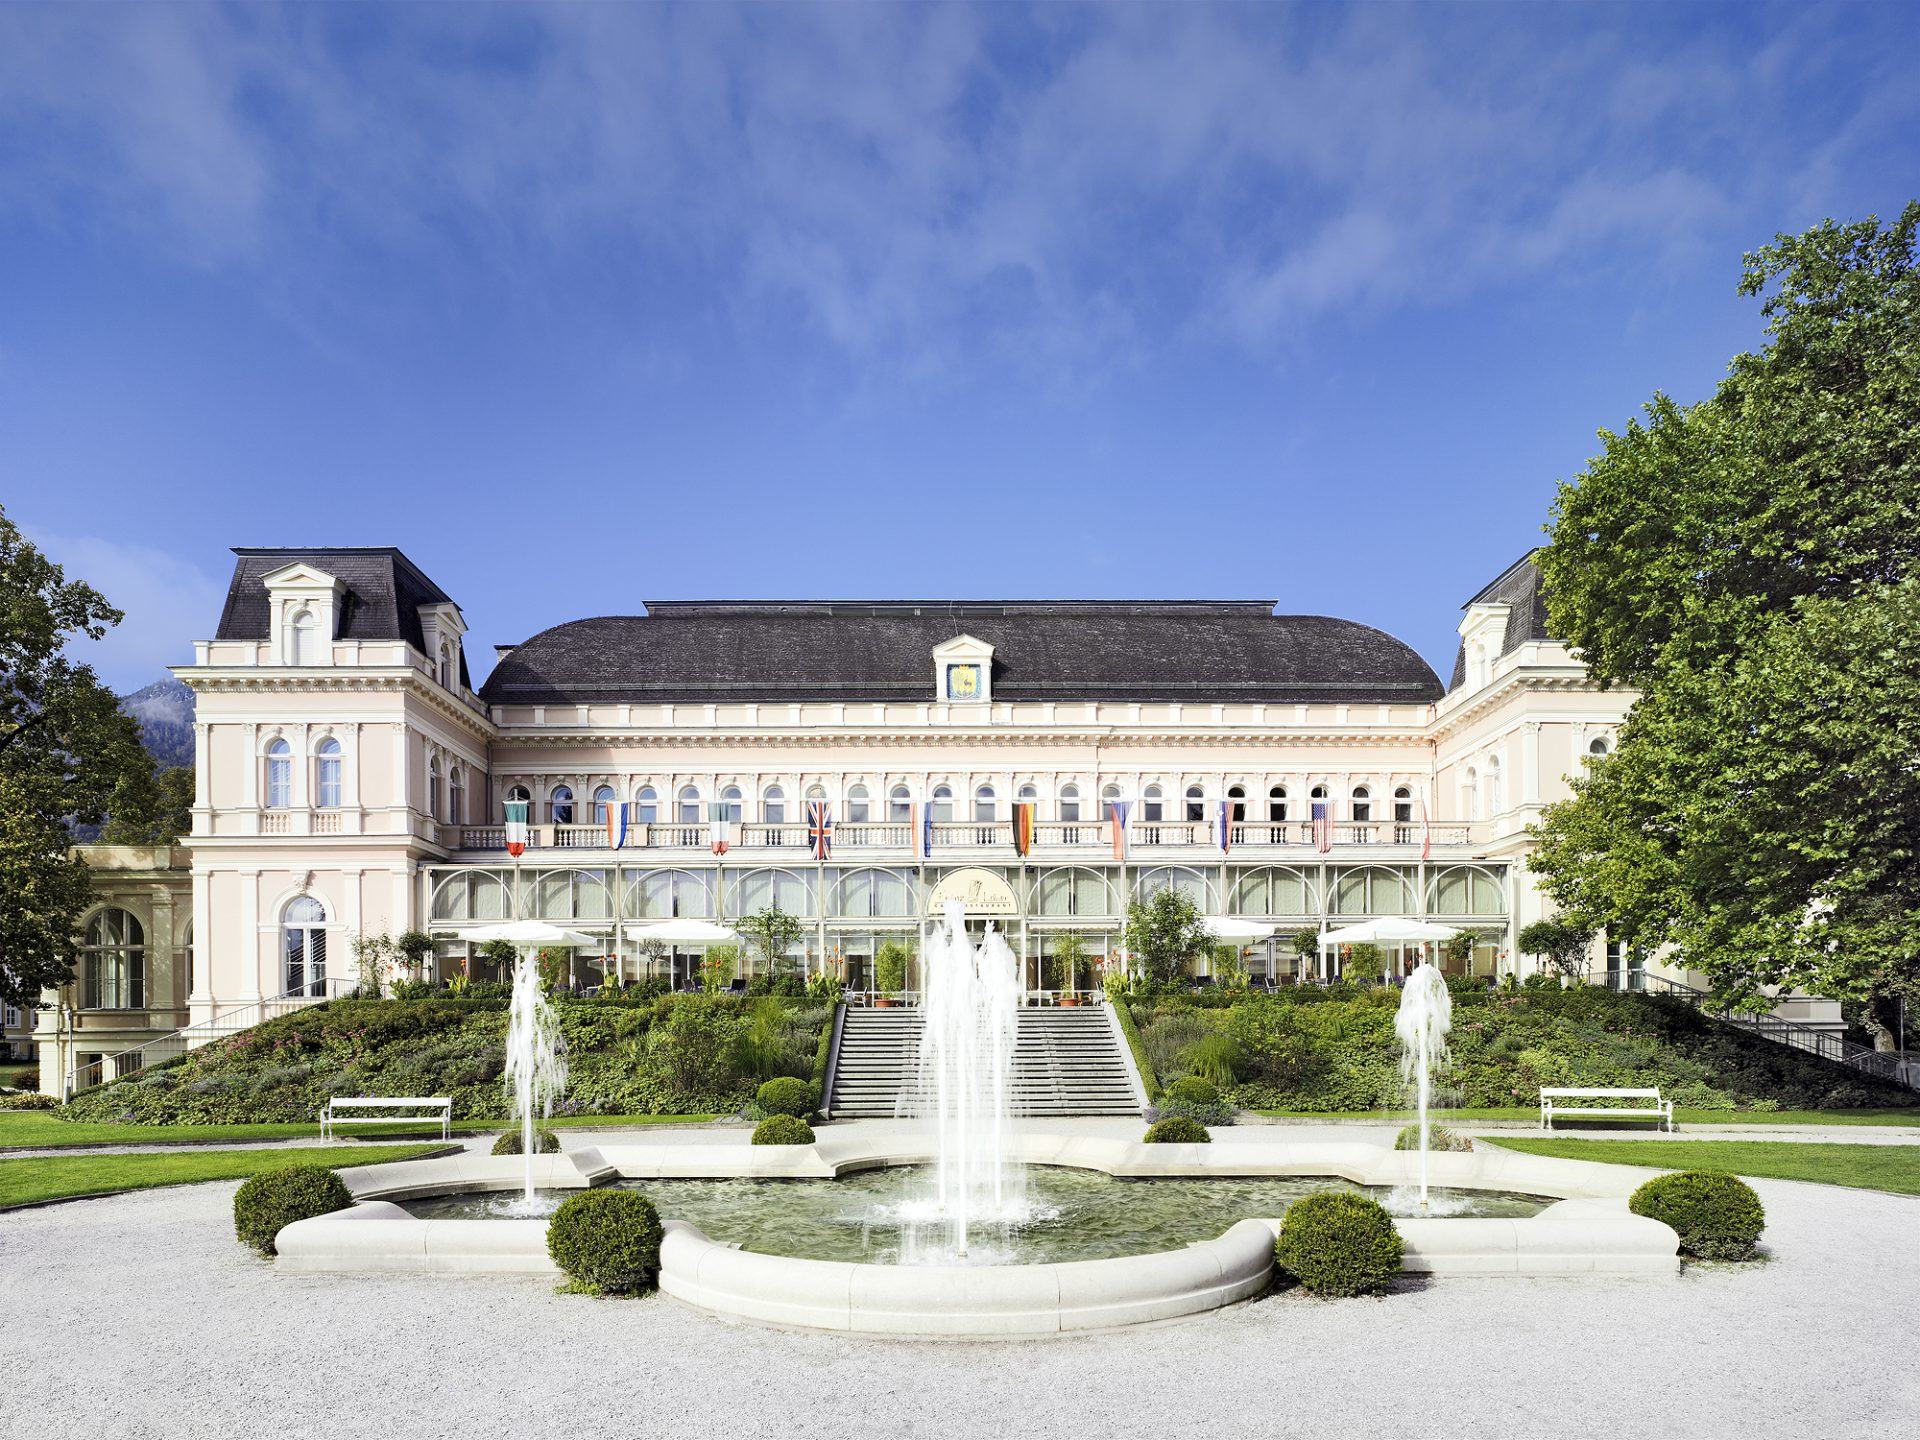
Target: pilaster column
202, 992
252, 936
1530, 763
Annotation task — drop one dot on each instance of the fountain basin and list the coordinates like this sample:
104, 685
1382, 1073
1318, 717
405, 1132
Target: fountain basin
1590, 1232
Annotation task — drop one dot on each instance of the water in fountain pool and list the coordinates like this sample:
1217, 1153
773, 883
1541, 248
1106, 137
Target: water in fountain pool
1070, 1214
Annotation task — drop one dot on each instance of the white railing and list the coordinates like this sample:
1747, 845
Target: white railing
974, 836
171, 1046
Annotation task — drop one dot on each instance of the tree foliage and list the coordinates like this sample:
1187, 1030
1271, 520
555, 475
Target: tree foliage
1560, 940
773, 932
68, 755
1165, 931
1748, 564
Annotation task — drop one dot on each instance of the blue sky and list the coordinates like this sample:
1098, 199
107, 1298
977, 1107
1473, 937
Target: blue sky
585, 305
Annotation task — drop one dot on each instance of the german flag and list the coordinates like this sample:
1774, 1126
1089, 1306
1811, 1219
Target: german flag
1022, 826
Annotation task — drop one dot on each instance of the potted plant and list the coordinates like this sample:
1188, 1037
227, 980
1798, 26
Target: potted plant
1069, 955
889, 973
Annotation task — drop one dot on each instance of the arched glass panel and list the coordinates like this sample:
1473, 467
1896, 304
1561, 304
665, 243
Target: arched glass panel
1069, 802
456, 796
433, 786
1362, 803
735, 803
689, 805
1237, 796
669, 894
1196, 803
1277, 803
560, 805
983, 806
876, 893
1598, 746
1403, 806
303, 639
603, 800
1496, 788
752, 891
1074, 892
279, 775
113, 962
899, 804
646, 805
942, 803
857, 805
1273, 892
303, 935
470, 895
328, 774
773, 806
1192, 881
1152, 807
1108, 794
572, 895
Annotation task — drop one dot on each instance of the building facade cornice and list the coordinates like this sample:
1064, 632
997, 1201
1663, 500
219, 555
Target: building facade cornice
397, 679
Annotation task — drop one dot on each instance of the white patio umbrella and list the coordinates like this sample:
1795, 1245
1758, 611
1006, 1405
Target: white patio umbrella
684, 932
1389, 930
1232, 930
538, 933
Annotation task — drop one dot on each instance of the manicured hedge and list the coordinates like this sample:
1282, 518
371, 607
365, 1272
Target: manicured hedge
607, 1241
274, 1199
1177, 1130
787, 1096
1337, 1243
1717, 1217
783, 1130
545, 1142
1193, 1090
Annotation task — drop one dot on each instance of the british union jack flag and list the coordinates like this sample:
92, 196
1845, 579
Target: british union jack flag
820, 829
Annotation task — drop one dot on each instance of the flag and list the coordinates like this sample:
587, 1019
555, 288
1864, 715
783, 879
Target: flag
1426, 831
1226, 826
1322, 827
1120, 810
616, 825
926, 831
820, 829
719, 828
1023, 826
517, 826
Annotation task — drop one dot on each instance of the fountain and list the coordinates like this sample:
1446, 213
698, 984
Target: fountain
536, 1070
970, 1005
1426, 1014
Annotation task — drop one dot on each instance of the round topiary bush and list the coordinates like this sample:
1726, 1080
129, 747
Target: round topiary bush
545, 1142
1438, 1138
1193, 1090
1178, 1130
1717, 1217
1336, 1243
783, 1130
607, 1241
786, 1096
275, 1198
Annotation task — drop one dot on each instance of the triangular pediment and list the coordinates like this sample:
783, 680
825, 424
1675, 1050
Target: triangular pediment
299, 576
966, 645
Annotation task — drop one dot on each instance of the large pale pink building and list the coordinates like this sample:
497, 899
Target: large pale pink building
352, 781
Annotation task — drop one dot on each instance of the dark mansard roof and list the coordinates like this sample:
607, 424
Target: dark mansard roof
1518, 586
1194, 650
384, 593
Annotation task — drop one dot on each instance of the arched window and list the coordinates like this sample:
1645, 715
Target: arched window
773, 805
689, 805
327, 766
816, 792
1598, 746
603, 800
113, 956
736, 809
1075, 891
456, 796
1028, 794
857, 810
1362, 804
1196, 803
560, 805
1277, 803
983, 804
303, 930
899, 804
1069, 802
517, 794
433, 786
279, 775
1496, 788
1403, 806
942, 803
646, 805
1152, 809
1237, 794
303, 639
1470, 794
1108, 794
446, 665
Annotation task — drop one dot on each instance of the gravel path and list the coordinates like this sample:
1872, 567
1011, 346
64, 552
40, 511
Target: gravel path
162, 1326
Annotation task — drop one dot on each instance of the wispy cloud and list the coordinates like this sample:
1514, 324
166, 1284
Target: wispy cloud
167, 601
926, 185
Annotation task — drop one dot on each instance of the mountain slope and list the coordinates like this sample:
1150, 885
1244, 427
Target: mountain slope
164, 711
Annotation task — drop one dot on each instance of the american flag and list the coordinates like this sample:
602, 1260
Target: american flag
1322, 827
820, 829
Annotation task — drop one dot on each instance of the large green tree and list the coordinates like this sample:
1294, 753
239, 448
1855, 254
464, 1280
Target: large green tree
1749, 565
68, 754
1165, 931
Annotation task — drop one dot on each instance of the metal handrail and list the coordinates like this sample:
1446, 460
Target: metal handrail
1823, 1044
178, 1042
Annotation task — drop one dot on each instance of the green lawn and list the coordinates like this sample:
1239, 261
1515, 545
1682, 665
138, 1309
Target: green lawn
1864, 1167
39, 1128
1909, 1116
52, 1177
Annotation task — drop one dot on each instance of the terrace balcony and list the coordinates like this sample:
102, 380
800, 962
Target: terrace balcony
955, 841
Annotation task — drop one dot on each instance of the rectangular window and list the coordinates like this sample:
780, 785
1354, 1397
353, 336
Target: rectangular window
330, 784
279, 783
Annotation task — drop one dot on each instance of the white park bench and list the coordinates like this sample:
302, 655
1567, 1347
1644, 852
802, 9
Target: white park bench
1657, 1110
420, 1107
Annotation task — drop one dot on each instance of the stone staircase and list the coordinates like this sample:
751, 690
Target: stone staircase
1067, 1062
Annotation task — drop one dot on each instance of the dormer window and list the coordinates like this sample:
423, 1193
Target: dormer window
305, 605
963, 671
303, 646
446, 665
